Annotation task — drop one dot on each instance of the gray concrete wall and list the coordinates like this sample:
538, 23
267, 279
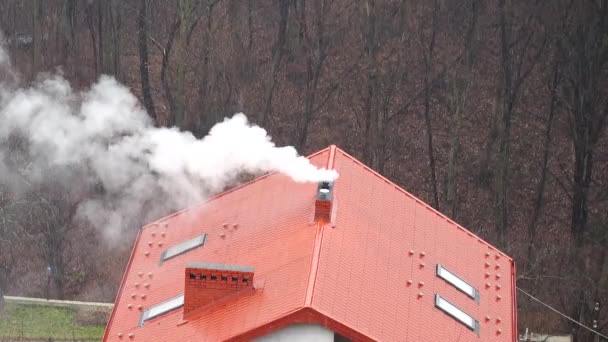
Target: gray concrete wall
299, 333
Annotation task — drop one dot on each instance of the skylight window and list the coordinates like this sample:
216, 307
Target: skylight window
457, 282
162, 308
183, 247
456, 313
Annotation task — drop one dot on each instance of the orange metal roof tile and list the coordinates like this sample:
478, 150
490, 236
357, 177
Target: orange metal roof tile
352, 278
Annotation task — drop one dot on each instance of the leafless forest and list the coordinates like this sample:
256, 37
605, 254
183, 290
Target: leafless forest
493, 112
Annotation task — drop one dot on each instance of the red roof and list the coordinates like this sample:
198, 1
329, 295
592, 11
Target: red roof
371, 275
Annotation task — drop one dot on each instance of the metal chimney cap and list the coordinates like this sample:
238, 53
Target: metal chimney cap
325, 190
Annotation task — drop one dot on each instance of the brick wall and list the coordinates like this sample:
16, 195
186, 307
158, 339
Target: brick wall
205, 285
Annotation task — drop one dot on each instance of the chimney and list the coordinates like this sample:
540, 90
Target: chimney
212, 283
323, 203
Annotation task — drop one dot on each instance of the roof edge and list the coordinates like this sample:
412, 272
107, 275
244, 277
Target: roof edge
123, 282
332, 156
514, 295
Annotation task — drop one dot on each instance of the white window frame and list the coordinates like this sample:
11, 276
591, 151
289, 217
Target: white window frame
456, 313
162, 308
457, 282
183, 247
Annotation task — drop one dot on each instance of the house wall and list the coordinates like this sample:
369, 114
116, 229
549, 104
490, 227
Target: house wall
299, 333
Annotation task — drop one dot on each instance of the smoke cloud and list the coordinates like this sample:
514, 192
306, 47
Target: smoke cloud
100, 148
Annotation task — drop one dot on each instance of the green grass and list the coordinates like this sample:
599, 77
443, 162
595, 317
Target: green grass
43, 322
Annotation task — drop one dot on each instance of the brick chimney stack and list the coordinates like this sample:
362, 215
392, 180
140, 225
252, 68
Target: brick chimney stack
210, 283
324, 199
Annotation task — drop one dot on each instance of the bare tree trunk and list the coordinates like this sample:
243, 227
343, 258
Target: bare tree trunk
55, 249
100, 36
144, 64
69, 20
538, 202
91, 27
278, 51
316, 54
164, 69
185, 13
207, 117
586, 49
250, 23
485, 171
371, 113
513, 72
113, 46
504, 137
428, 70
583, 166
3, 282
460, 85
454, 134
37, 36
108, 30
240, 73
1, 301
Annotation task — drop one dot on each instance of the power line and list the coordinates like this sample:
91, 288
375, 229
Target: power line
561, 314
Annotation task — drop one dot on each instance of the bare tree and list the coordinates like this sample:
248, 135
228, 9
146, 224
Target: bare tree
208, 114
1, 299
52, 216
186, 10
554, 82
381, 73
144, 63
37, 36
315, 46
278, 51
6, 246
520, 49
583, 47
69, 32
187, 16
459, 83
164, 71
373, 126
91, 18
109, 28
428, 60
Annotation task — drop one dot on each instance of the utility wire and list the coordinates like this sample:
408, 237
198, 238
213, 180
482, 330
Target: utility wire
561, 314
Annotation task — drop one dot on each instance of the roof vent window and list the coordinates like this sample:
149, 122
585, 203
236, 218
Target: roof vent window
457, 282
457, 314
162, 308
183, 247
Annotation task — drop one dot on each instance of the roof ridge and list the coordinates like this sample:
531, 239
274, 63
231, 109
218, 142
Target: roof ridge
312, 278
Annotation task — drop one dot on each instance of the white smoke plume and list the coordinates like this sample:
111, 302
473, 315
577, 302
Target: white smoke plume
100, 147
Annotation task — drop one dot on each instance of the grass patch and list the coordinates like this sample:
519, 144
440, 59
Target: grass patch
30, 321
